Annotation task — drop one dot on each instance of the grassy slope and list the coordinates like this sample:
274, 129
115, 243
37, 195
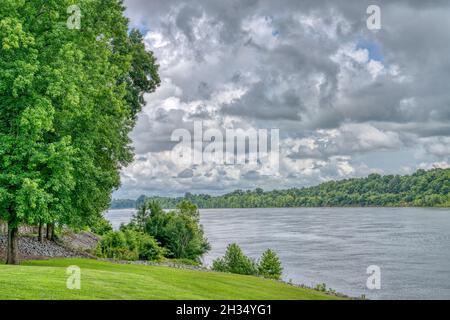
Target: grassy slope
46, 279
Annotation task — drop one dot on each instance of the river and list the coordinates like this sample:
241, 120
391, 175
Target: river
411, 246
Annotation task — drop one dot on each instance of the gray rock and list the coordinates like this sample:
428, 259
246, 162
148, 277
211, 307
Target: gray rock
31, 248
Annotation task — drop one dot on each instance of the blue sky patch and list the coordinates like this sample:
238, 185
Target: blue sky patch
375, 50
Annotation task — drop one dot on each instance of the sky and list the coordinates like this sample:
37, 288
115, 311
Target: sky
347, 100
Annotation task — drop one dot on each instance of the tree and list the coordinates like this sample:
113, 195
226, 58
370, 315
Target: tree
69, 100
139, 219
35, 171
101, 227
144, 212
186, 238
188, 208
178, 231
234, 261
269, 265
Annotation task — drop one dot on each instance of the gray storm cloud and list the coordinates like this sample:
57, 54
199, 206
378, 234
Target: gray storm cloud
337, 91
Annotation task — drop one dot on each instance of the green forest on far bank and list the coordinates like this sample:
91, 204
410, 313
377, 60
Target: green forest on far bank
422, 189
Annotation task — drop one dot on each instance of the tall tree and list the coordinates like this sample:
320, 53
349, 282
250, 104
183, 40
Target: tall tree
69, 100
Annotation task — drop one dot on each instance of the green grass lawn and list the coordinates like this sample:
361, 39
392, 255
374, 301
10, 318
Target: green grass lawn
46, 279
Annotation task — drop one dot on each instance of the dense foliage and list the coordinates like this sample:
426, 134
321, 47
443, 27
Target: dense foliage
123, 204
129, 244
101, 226
269, 265
178, 232
235, 261
69, 98
421, 189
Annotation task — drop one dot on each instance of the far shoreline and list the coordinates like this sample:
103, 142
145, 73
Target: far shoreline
318, 207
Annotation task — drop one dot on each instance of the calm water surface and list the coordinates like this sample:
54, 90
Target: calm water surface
336, 245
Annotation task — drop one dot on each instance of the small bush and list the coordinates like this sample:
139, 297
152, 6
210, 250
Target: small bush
114, 245
129, 244
149, 249
234, 261
270, 265
322, 287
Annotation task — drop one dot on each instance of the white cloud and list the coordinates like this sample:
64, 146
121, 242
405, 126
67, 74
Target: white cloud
295, 66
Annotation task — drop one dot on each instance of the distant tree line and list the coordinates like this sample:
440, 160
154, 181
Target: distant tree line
123, 204
422, 189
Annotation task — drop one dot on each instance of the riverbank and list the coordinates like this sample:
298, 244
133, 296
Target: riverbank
31, 249
46, 279
71, 248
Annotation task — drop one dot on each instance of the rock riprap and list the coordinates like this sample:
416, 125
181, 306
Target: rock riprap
31, 247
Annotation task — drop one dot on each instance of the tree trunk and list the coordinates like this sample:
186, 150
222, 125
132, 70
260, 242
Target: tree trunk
12, 245
41, 232
49, 231
52, 234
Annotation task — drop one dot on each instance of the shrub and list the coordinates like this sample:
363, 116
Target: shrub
269, 265
186, 239
129, 244
322, 287
114, 245
101, 226
132, 239
234, 261
179, 231
149, 249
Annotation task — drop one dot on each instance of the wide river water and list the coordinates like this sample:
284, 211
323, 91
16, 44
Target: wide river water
411, 246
